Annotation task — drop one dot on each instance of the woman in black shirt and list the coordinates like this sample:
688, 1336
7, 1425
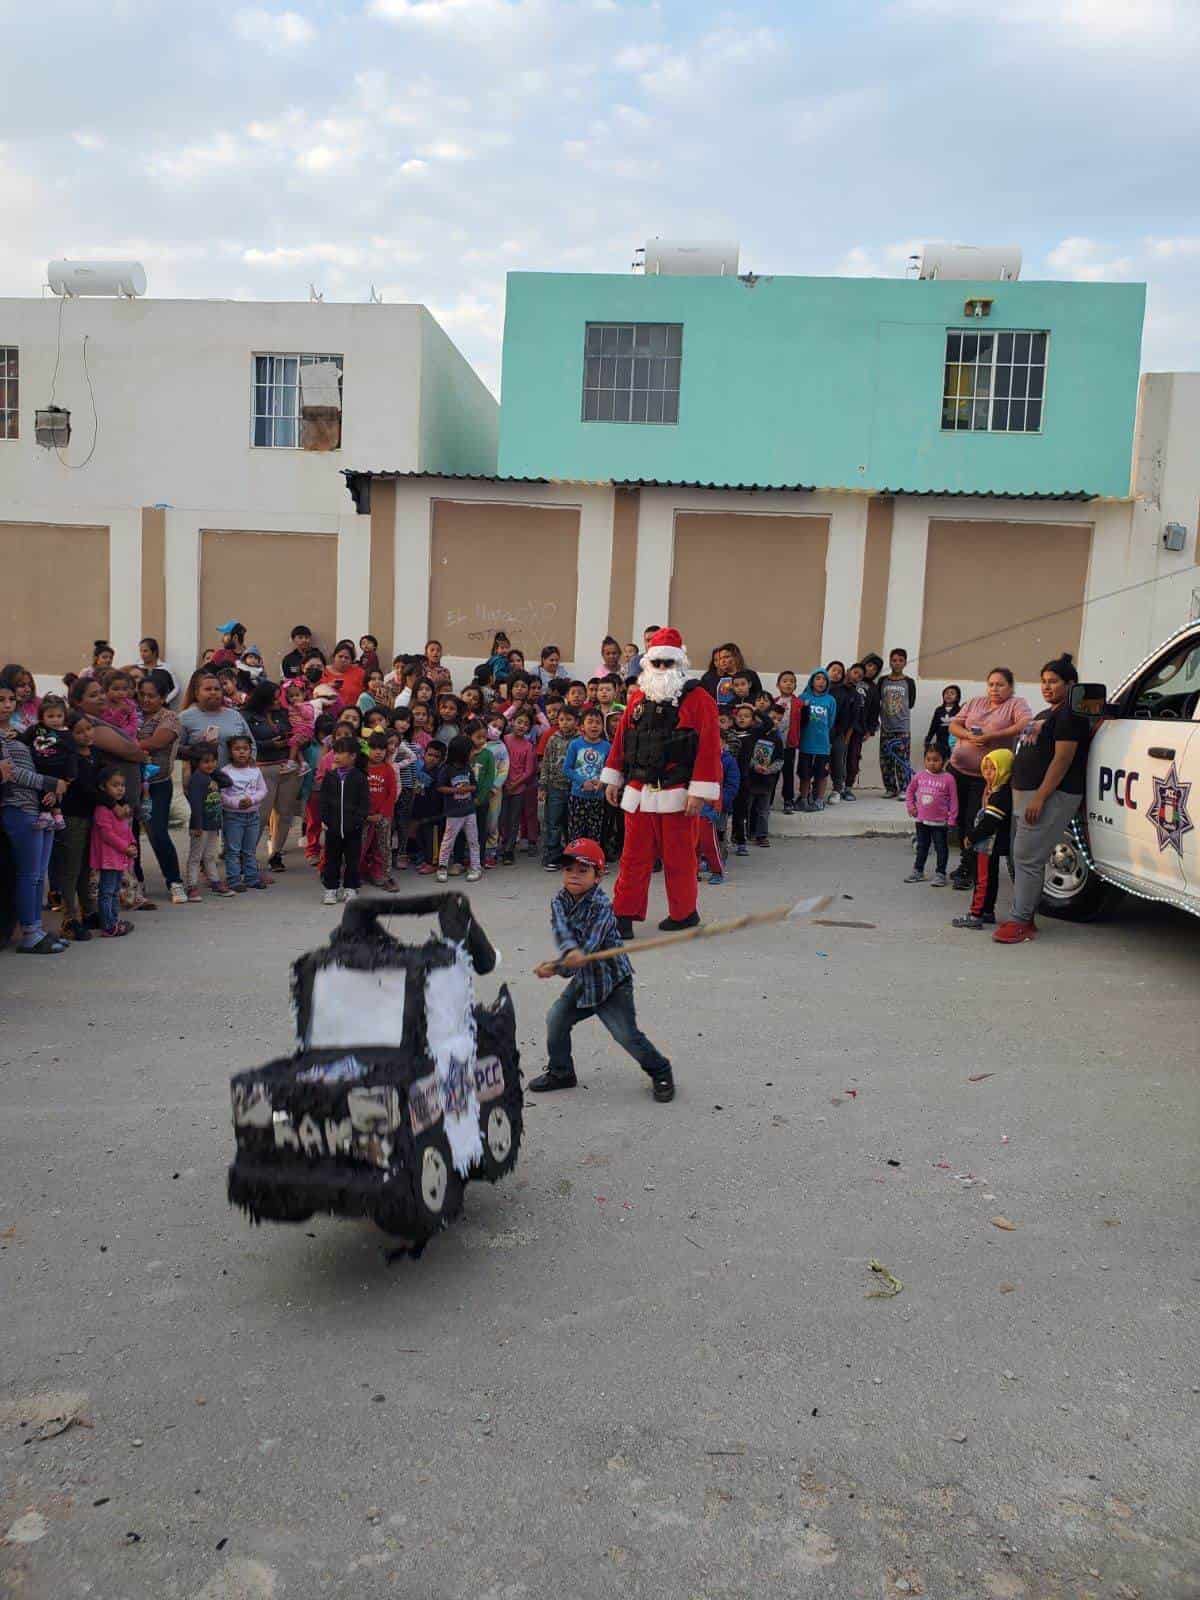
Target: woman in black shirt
1048, 779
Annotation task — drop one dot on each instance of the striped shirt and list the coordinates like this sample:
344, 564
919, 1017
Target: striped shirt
588, 924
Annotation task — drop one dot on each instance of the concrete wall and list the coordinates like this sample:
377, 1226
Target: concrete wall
821, 381
173, 458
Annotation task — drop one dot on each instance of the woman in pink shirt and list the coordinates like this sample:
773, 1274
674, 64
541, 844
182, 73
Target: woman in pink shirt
992, 721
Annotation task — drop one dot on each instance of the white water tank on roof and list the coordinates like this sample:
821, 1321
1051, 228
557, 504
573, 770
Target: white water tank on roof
697, 258
127, 278
982, 263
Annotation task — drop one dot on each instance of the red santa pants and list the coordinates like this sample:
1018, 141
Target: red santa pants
650, 836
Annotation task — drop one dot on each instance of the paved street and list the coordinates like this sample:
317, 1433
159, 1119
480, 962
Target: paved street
649, 1363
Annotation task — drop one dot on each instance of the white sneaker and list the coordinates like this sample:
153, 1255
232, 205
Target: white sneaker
329, 898
833, 799
349, 894
474, 875
178, 895
443, 875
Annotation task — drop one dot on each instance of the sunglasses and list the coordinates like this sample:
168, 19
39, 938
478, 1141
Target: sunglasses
662, 666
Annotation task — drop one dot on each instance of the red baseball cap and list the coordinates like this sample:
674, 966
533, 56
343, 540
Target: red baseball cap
585, 850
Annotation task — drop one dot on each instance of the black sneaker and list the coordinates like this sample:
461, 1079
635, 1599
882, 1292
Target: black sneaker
677, 924
276, 863
625, 928
549, 1081
664, 1086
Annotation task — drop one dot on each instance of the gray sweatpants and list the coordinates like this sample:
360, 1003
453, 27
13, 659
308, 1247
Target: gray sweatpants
1032, 844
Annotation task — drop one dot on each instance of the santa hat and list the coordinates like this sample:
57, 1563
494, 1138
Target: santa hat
665, 645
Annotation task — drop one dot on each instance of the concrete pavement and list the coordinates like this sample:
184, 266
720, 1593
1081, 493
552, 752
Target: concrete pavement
647, 1365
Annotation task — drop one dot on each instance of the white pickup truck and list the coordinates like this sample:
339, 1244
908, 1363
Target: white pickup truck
1138, 830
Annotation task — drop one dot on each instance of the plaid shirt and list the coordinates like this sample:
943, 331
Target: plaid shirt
588, 924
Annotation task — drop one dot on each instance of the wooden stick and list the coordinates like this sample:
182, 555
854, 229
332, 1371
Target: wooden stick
714, 930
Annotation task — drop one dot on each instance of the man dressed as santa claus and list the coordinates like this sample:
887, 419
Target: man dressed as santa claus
664, 764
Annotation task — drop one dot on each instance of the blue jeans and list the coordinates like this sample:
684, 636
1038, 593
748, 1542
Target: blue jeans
159, 831
241, 838
618, 1015
554, 820
31, 849
109, 897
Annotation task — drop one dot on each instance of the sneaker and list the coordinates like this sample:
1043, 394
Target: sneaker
969, 921
550, 1081
890, 794
329, 898
275, 863
238, 888
54, 901
474, 875
818, 805
489, 861
425, 869
71, 929
716, 878
508, 859
741, 849
443, 875
664, 1086
551, 866
221, 887
194, 896
939, 880
915, 877
849, 794
117, 931
1015, 932
678, 924
764, 843
788, 808
178, 895
349, 894
261, 883
834, 798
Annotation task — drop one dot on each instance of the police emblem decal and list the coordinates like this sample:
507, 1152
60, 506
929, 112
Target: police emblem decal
1168, 811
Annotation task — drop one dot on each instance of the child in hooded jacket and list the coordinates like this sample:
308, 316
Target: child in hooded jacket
991, 834
710, 836
816, 736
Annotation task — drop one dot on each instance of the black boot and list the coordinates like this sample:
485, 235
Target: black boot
625, 928
963, 876
664, 1086
676, 925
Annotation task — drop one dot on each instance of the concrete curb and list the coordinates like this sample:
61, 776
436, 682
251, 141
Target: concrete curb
869, 817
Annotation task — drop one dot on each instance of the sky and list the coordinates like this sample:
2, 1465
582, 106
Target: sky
427, 147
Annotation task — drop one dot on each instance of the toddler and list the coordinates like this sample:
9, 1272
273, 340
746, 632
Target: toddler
204, 823
455, 783
111, 849
240, 800
932, 799
54, 755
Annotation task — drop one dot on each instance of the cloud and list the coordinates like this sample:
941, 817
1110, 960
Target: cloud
1102, 24
274, 30
192, 161
88, 141
303, 255
1085, 261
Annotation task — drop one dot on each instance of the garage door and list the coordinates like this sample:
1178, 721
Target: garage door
756, 580
1006, 594
503, 566
269, 581
54, 598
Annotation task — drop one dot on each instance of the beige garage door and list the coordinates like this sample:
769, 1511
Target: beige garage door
503, 566
271, 582
988, 589
758, 581
54, 597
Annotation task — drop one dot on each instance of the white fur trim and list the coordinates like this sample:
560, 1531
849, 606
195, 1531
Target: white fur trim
705, 791
610, 775
662, 802
664, 652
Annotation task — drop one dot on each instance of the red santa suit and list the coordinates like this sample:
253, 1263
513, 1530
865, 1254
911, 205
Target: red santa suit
662, 753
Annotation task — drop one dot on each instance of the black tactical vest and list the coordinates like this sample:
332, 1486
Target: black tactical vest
657, 749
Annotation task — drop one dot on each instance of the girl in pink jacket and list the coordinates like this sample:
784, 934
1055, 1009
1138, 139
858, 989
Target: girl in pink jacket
522, 772
932, 798
111, 849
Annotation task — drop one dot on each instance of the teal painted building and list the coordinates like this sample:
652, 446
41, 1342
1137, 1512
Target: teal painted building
842, 383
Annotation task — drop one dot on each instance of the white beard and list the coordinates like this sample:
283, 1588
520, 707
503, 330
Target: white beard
663, 686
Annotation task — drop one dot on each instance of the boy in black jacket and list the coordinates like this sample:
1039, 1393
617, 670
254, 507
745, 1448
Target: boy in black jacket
203, 791
745, 733
345, 806
766, 763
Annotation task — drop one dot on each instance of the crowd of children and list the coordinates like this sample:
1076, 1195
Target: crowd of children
388, 771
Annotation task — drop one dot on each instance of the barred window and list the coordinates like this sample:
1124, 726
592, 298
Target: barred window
9, 403
995, 382
631, 371
276, 400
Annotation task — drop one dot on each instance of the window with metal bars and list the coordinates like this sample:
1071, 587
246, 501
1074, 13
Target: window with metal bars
994, 382
631, 371
9, 399
277, 402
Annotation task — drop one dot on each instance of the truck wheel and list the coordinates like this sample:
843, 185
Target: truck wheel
1072, 891
437, 1188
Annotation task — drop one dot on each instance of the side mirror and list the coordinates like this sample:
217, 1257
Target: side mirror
1089, 699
